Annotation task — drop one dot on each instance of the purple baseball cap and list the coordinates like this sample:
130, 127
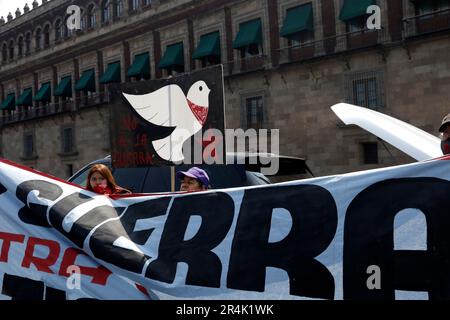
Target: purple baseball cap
195, 173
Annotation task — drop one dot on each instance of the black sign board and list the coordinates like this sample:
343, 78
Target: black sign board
166, 121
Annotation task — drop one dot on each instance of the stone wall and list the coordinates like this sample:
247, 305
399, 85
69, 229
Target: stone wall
91, 140
297, 96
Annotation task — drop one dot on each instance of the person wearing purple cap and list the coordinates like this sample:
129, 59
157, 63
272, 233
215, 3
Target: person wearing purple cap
193, 180
444, 129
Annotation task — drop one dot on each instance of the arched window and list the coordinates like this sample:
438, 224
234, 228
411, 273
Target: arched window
11, 49
67, 32
20, 46
4, 53
105, 12
91, 19
38, 38
28, 43
58, 30
134, 5
118, 12
83, 20
46, 36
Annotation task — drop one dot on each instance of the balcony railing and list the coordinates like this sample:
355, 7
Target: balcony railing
29, 113
426, 23
248, 64
337, 44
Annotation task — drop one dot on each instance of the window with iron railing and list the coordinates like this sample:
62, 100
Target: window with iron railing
370, 153
106, 15
68, 140
365, 89
300, 38
254, 112
365, 92
251, 50
134, 5
424, 7
20, 47
57, 30
68, 32
47, 36
83, 21
38, 39
91, 18
210, 61
11, 50
5, 53
28, 43
118, 8
357, 24
28, 145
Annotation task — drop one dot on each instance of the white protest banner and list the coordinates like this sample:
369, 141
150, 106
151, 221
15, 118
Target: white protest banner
379, 234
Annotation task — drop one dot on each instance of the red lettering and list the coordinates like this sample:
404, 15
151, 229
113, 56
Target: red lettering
130, 159
42, 264
142, 289
122, 142
130, 123
99, 275
6, 244
141, 140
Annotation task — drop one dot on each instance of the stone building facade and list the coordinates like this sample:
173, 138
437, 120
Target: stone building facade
285, 62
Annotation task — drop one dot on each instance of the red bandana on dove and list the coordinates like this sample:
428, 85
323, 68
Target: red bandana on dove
201, 113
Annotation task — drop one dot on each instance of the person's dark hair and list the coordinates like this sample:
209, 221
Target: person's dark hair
106, 173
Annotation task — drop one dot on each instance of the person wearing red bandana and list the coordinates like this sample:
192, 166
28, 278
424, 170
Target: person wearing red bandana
101, 181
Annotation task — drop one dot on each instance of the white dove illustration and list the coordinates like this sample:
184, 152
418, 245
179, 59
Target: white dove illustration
169, 107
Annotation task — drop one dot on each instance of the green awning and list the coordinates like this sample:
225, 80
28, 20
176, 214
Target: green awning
112, 73
140, 66
209, 45
174, 56
26, 98
44, 93
9, 102
64, 88
86, 82
249, 33
298, 19
355, 8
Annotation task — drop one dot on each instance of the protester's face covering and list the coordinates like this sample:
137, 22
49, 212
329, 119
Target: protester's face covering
445, 139
445, 146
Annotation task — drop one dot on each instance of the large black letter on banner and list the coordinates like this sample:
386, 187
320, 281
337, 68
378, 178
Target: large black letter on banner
19, 288
82, 226
102, 240
314, 222
205, 268
2, 189
368, 240
36, 213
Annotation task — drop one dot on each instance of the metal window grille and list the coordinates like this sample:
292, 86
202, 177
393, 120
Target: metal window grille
254, 108
370, 153
366, 89
67, 140
28, 146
